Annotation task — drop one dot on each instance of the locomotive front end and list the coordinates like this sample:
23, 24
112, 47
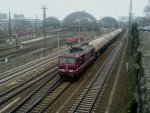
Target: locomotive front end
67, 66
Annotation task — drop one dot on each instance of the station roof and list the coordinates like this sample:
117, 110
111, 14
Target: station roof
80, 18
53, 21
108, 21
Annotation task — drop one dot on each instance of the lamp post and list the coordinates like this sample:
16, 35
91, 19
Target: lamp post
129, 28
9, 28
58, 41
16, 41
44, 27
36, 27
100, 22
130, 16
79, 32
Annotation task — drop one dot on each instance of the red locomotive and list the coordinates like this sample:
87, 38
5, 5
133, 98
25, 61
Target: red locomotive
75, 39
72, 64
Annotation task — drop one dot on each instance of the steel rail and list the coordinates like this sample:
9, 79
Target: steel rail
54, 98
33, 98
39, 89
23, 59
50, 57
56, 85
19, 88
91, 93
26, 69
49, 70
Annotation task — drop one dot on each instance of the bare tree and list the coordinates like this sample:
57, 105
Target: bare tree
147, 10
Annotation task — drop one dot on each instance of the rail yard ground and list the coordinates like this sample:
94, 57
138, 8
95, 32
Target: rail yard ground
133, 87
125, 90
81, 62
124, 93
112, 99
143, 81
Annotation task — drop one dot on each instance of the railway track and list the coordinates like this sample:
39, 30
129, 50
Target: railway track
24, 80
48, 98
38, 86
42, 97
7, 47
23, 59
5, 50
7, 94
90, 97
18, 59
4, 77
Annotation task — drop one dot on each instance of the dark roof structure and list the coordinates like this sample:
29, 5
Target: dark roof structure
108, 22
53, 21
80, 19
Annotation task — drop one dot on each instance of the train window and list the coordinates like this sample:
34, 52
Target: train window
92, 52
82, 59
71, 60
63, 60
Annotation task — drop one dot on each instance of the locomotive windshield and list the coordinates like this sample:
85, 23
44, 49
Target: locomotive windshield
63, 60
66, 60
71, 60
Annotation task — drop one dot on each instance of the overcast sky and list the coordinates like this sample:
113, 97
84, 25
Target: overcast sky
61, 8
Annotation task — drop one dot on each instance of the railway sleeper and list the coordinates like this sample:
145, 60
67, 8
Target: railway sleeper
95, 86
81, 111
83, 108
91, 93
85, 105
87, 101
93, 89
90, 97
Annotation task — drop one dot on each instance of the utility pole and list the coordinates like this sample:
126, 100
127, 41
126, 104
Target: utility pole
129, 31
130, 16
16, 42
44, 26
99, 22
9, 28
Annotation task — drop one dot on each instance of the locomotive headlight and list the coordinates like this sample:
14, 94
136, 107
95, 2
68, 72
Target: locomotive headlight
62, 70
71, 70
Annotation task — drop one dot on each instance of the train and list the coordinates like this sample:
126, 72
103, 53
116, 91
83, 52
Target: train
75, 39
33, 42
72, 64
39, 41
21, 33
